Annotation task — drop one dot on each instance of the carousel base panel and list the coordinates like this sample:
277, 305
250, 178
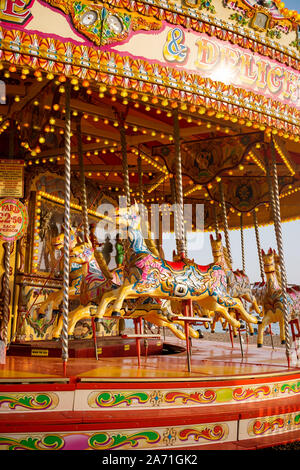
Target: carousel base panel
226, 401
106, 347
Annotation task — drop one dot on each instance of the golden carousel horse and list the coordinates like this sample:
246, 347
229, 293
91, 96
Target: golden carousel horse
271, 297
238, 282
148, 275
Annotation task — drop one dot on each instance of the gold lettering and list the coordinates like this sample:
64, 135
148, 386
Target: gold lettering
262, 69
248, 75
274, 79
208, 54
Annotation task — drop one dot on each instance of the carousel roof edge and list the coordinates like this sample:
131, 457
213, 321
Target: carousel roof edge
266, 34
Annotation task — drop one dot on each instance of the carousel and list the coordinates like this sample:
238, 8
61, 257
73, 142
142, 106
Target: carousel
108, 143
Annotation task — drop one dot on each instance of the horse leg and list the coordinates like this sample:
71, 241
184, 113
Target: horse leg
261, 326
244, 314
122, 294
225, 313
53, 300
78, 314
57, 329
106, 298
281, 326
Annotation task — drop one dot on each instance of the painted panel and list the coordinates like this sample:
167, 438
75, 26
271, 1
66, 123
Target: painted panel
124, 439
264, 426
14, 402
182, 397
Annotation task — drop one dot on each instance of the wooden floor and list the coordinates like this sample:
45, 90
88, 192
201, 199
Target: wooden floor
210, 360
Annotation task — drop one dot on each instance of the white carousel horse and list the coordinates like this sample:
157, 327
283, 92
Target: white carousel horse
149, 275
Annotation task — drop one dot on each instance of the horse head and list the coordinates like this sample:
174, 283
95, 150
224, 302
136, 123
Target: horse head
129, 217
268, 260
216, 245
82, 253
58, 242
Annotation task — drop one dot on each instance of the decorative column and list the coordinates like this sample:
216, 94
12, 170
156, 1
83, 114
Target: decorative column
216, 221
125, 162
82, 179
67, 155
178, 186
275, 201
6, 312
242, 244
261, 264
175, 214
140, 176
225, 221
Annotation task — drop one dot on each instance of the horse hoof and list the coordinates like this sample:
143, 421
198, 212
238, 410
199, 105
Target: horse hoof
283, 341
200, 334
56, 338
115, 314
251, 334
259, 345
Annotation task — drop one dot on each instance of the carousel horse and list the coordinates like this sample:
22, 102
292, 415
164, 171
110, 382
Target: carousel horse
272, 299
94, 283
197, 309
148, 275
53, 300
86, 266
238, 282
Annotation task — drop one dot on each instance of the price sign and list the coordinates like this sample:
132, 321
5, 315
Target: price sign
11, 178
13, 219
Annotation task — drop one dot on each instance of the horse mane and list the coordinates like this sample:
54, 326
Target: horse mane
277, 268
227, 257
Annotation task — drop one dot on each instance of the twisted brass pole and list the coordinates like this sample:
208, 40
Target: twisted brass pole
216, 221
178, 187
261, 264
175, 214
140, 175
6, 312
64, 335
225, 221
242, 244
277, 224
82, 179
125, 163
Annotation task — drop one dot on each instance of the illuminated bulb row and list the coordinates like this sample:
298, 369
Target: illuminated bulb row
145, 98
197, 187
149, 160
159, 182
50, 197
284, 157
256, 161
290, 192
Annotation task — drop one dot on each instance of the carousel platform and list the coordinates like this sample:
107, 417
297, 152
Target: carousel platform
227, 401
105, 347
